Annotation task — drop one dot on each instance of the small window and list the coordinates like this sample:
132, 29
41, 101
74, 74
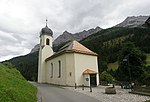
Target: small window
47, 41
59, 65
51, 70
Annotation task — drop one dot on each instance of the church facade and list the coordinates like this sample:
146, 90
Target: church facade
72, 64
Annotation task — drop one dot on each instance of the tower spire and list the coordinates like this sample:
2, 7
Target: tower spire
46, 22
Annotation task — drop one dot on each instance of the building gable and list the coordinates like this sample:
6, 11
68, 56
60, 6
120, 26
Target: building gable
73, 47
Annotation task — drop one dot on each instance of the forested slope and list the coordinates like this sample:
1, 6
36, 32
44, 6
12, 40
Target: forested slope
106, 43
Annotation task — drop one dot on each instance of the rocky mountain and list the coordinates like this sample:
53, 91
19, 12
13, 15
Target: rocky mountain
66, 36
36, 48
107, 47
133, 21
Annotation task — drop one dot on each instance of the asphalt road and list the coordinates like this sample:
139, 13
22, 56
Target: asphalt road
50, 93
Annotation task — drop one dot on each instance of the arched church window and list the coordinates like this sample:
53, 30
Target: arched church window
47, 41
51, 70
59, 70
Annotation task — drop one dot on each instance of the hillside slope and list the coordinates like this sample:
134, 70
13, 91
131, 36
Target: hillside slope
66, 36
14, 88
27, 65
115, 65
107, 43
130, 22
133, 21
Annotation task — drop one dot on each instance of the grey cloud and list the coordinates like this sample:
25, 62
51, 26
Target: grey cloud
22, 20
85, 11
7, 52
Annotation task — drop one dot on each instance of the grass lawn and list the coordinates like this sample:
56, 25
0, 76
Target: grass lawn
14, 88
114, 65
148, 60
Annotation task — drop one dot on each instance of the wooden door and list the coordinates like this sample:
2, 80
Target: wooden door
93, 80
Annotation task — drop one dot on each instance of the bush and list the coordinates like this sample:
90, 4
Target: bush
105, 76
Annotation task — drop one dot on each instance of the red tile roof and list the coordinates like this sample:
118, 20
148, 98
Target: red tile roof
73, 47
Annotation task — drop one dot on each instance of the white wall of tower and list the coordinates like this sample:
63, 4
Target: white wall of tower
44, 52
43, 40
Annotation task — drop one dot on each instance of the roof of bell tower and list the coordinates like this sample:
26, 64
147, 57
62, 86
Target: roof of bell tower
46, 30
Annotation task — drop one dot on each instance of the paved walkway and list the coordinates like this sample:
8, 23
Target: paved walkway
50, 93
121, 96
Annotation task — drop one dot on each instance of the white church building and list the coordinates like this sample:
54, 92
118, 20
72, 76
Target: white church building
72, 64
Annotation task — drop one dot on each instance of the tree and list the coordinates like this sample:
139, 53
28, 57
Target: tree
131, 63
105, 76
145, 77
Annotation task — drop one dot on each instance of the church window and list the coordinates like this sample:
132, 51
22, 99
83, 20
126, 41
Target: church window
59, 65
51, 70
47, 41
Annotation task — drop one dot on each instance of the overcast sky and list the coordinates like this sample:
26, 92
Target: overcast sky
22, 20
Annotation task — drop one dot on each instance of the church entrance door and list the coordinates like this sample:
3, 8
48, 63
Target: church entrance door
93, 80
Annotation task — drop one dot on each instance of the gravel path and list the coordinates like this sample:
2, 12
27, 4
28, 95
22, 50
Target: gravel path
121, 96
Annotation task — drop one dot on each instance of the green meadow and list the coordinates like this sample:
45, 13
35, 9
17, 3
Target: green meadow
114, 65
148, 60
13, 86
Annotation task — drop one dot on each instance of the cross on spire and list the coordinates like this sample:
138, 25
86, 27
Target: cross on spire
46, 21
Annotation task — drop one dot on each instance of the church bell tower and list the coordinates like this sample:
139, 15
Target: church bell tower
45, 51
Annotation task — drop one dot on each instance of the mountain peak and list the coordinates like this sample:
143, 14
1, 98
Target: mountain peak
98, 28
36, 48
66, 36
66, 32
133, 21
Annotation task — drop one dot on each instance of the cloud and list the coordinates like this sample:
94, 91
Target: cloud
12, 45
22, 20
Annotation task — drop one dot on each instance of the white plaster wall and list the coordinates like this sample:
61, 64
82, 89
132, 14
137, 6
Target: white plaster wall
70, 69
43, 40
75, 64
39, 67
86, 82
83, 62
55, 79
45, 52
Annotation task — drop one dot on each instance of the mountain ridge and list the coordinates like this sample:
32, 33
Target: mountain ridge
130, 21
66, 36
106, 43
133, 21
